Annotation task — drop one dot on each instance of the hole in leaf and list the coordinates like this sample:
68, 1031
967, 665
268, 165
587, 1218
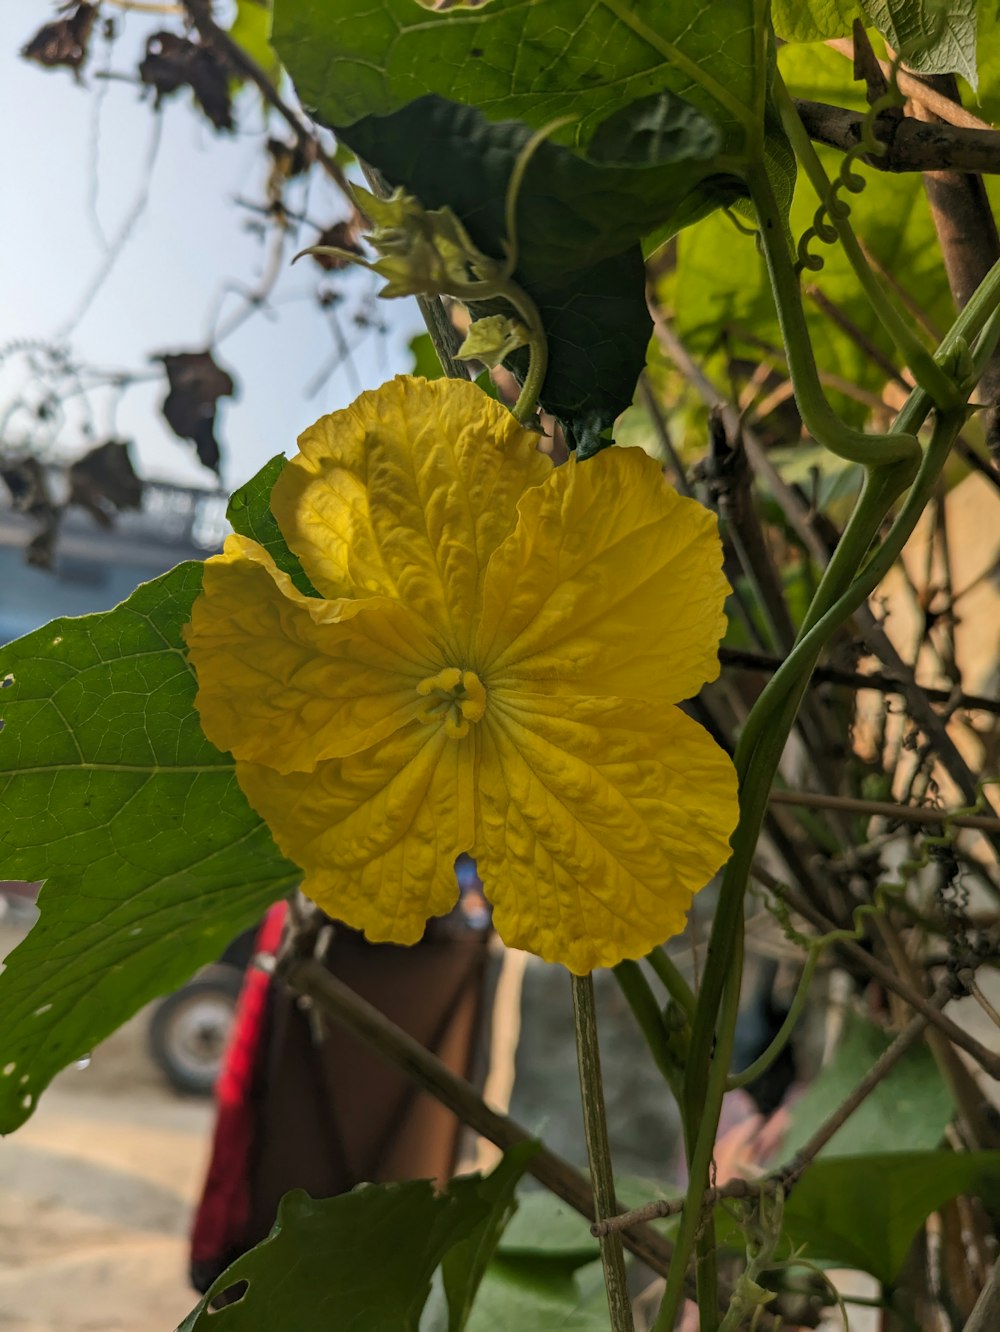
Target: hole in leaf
7, 681
27, 1102
45, 1008
57, 641
8, 1069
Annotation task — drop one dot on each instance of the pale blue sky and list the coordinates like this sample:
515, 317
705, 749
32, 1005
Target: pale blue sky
187, 243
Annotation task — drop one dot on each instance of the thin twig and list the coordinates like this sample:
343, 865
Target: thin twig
212, 35
885, 809
988, 1060
595, 1124
884, 1065
985, 1317
664, 1207
741, 659
663, 434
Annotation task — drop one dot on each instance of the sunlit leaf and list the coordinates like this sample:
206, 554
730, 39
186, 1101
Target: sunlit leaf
152, 858
528, 60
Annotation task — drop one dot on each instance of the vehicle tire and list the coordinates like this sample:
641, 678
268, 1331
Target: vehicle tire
189, 1029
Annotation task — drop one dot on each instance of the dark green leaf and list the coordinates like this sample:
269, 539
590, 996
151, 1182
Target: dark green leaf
590, 297
529, 60
425, 358
813, 20
465, 1262
545, 1227
863, 1211
152, 858
546, 1299
361, 1262
908, 1110
250, 514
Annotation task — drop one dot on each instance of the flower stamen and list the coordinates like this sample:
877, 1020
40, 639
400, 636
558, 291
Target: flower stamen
455, 699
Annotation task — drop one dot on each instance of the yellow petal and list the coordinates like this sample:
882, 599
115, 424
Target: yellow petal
599, 818
290, 680
611, 583
376, 834
407, 493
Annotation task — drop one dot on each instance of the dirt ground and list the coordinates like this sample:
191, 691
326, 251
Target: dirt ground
96, 1192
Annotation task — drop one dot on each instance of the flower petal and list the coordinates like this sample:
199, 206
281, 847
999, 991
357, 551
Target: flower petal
290, 680
599, 818
610, 583
407, 493
377, 834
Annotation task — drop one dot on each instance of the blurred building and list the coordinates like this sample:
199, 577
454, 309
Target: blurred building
93, 567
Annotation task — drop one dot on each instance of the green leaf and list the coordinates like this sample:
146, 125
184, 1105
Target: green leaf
152, 858
465, 1263
251, 31
361, 1261
814, 20
545, 1227
908, 1110
529, 60
931, 36
511, 1297
863, 1211
425, 358
250, 514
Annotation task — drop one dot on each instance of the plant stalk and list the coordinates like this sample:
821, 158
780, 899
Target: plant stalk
595, 1124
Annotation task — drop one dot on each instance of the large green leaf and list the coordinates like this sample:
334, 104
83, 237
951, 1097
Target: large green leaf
908, 1110
360, 1262
152, 858
863, 1211
529, 60
465, 1263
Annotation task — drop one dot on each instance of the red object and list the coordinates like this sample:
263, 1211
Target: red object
220, 1223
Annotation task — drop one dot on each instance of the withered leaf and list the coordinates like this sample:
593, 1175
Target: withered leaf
64, 41
28, 485
343, 235
196, 385
27, 481
104, 482
172, 62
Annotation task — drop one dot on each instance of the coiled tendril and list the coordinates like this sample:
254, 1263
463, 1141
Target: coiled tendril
833, 206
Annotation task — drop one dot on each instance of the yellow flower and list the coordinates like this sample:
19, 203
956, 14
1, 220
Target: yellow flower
491, 666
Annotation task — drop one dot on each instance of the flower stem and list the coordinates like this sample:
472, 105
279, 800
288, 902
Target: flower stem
595, 1124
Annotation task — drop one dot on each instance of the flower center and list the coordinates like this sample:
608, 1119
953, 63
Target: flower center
455, 698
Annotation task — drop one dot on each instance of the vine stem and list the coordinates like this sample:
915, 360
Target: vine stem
891, 463
928, 374
595, 1124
